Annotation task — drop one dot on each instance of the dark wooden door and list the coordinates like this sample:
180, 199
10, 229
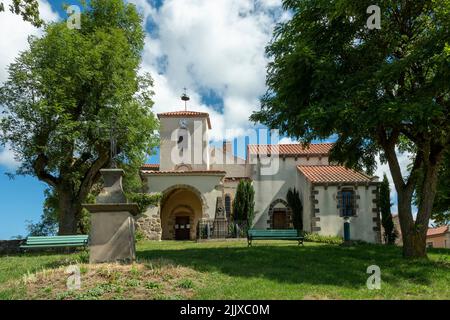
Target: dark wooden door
182, 228
279, 219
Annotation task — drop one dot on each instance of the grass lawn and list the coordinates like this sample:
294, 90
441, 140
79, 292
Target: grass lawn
230, 270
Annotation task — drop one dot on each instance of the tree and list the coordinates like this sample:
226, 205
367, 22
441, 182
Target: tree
441, 205
28, 9
294, 201
385, 209
67, 91
244, 204
371, 89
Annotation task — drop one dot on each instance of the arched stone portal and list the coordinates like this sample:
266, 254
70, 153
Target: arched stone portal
181, 210
280, 215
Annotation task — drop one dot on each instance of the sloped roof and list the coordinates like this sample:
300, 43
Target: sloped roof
150, 166
290, 150
186, 114
333, 174
437, 231
184, 172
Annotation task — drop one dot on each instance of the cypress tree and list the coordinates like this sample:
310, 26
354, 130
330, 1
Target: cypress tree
385, 208
294, 201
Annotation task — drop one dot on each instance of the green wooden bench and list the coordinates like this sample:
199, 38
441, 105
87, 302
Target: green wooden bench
55, 242
274, 234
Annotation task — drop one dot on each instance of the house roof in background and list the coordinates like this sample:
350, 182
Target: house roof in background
437, 231
333, 174
184, 172
186, 114
290, 150
150, 166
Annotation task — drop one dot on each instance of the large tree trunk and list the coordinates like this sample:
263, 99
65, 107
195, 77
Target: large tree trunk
69, 211
414, 233
415, 245
413, 242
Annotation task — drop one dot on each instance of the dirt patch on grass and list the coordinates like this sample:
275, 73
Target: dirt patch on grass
157, 279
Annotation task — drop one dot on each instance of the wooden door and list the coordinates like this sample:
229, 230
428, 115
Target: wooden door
279, 219
182, 228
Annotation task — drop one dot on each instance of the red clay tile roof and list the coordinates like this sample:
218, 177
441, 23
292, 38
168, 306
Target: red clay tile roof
333, 174
150, 166
290, 150
186, 114
437, 231
185, 172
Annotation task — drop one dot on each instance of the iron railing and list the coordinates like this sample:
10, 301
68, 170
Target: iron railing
220, 229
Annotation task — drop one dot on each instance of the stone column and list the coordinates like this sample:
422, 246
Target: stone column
112, 224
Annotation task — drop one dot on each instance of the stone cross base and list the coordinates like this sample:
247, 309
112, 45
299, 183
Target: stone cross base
112, 232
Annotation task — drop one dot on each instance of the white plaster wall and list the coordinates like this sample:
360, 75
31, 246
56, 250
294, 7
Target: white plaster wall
305, 186
269, 188
210, 186
331, 224
199, 151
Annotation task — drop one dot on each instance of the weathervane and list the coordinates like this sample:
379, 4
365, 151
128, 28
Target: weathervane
185, 98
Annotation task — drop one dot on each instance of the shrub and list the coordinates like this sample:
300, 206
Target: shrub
139, 236
244, 205
314, 237
144, 200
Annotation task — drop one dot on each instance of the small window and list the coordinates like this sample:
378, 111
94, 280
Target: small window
346, 203
228, 206
430, 244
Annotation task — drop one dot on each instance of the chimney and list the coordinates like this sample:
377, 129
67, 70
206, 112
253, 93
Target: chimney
227, 147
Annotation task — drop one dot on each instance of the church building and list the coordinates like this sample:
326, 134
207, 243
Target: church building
198, 183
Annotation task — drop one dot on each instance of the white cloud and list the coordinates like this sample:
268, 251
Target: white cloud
7, 159
210, 46
14, 33
287, 140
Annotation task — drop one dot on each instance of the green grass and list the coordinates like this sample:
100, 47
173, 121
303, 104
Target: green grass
273, 270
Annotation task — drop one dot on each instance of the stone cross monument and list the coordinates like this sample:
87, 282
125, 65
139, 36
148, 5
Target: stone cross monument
112, 224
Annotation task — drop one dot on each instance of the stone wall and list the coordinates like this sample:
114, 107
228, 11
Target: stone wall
149, 226
10, 246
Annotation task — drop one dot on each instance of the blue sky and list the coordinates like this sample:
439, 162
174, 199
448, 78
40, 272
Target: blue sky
215, 48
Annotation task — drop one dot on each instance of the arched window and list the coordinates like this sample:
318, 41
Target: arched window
346, 203
228, 206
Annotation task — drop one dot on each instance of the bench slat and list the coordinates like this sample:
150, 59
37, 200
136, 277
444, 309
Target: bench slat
56, 241
274, 234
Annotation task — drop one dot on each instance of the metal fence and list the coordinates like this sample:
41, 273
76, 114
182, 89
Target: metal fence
220, 229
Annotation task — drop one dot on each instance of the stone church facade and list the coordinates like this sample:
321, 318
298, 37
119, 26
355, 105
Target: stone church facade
198, 184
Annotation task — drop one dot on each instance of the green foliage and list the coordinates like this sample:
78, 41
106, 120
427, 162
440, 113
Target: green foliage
294, 201
330, 75
385, 208
28, 9
144, 200
63, 94
186, 284
244, 204
48, 224
139, 236
315, 237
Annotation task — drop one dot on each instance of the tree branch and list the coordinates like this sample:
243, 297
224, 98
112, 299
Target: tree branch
39, 168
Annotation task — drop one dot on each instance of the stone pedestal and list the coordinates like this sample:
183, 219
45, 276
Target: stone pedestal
112, 223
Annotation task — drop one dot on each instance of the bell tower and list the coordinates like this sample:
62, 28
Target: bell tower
184, 138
